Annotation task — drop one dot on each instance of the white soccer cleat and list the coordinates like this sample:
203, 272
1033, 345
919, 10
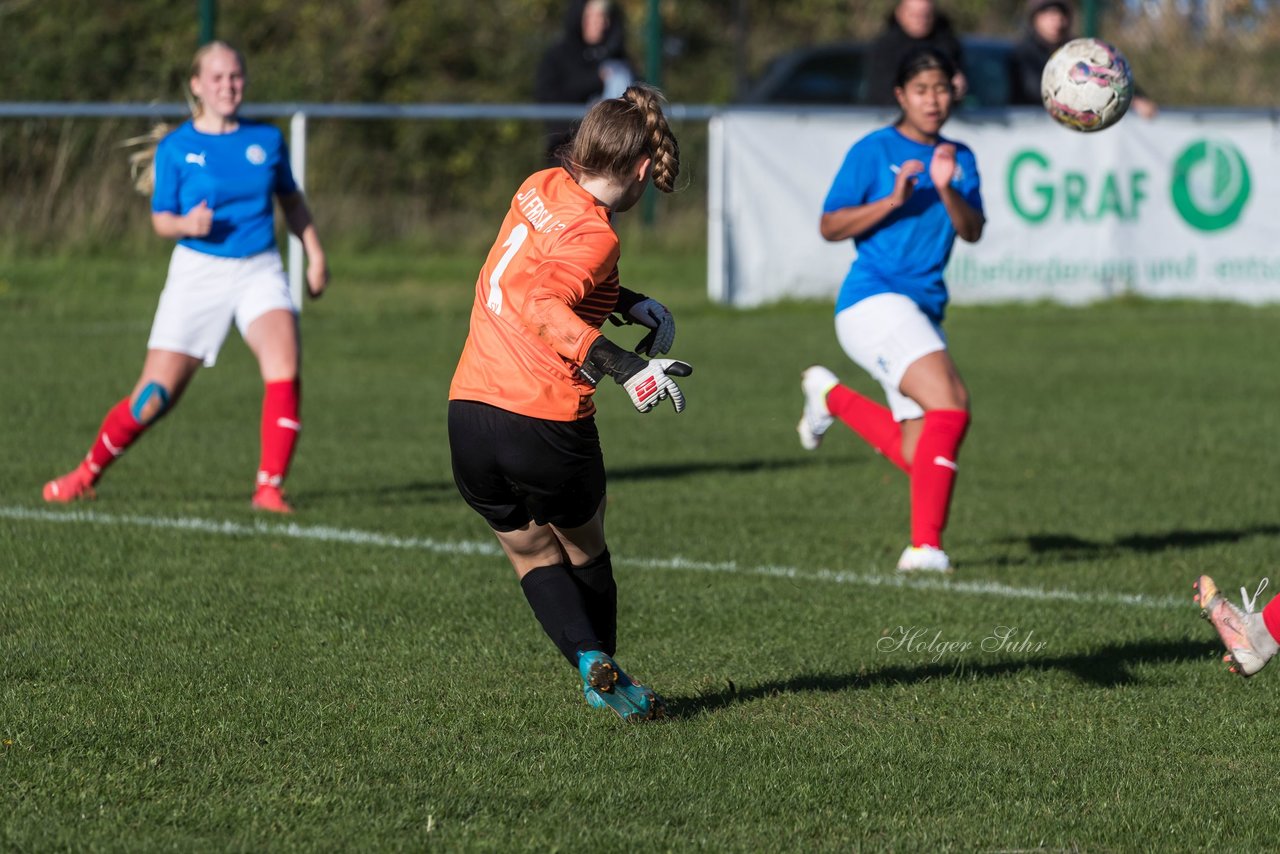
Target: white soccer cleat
1248, 641
923, 559
816, 382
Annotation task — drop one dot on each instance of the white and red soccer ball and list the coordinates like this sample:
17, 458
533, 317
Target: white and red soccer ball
1086, 85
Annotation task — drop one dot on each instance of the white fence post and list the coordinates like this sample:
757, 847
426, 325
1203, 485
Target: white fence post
298, 162
718, 278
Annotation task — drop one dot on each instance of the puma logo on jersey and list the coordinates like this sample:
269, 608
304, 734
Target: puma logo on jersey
197, 159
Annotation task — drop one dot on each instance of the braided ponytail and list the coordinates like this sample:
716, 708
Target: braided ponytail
662, 145
616, 132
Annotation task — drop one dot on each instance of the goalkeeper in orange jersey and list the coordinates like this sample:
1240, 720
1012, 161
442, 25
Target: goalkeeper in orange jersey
522, 433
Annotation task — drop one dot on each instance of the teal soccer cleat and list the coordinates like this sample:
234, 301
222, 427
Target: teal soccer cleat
605, 685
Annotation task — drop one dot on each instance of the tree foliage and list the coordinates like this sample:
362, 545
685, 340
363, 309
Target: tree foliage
404, 51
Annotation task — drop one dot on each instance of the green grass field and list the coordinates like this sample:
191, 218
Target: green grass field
179, 673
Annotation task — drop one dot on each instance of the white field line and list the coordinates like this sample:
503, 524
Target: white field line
324, 533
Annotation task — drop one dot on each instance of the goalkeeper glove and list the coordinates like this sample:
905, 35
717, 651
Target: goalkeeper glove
651, 314
647, 383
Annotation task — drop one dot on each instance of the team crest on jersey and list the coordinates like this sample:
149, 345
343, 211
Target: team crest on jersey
197, 159
256, 154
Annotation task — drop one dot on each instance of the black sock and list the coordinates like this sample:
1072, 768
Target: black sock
558, 605
600, 595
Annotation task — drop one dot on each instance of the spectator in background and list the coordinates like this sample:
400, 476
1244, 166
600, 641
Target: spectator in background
588, 63
1048, 27
914, 24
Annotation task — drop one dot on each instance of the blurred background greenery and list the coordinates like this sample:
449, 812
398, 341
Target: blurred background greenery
65, 183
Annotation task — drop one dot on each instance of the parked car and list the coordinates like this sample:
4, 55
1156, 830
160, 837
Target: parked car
835, 74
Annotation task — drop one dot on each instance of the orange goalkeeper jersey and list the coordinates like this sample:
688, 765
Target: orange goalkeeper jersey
550, 280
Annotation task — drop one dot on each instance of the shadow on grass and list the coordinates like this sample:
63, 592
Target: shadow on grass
1107, 667
696, 468
413, 492
1068, 547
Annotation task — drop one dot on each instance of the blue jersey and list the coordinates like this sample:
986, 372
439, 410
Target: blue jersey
236, 174
906, 252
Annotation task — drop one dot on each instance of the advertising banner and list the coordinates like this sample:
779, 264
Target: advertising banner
1183, 205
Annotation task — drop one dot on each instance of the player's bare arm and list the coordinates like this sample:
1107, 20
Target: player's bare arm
851, 221
968, 222
197, 222
298, 217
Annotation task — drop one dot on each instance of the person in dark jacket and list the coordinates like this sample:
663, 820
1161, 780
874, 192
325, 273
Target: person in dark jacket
1049, 27
914, 24
589, 62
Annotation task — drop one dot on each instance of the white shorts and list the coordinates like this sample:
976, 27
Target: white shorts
204, 293
885, 334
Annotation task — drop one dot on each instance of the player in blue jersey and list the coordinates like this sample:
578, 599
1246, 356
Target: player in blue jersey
903, 194
215, 182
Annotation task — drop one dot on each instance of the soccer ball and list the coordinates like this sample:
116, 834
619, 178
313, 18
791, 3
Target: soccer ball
1086, 85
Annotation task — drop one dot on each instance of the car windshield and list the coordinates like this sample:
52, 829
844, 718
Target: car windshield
832, 78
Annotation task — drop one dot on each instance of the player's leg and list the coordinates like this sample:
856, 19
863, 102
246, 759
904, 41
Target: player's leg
165, 375
932, 443
574, 506
495, 454
542, 568
190, 324
273, 339
591, 568
268, 321
540, 486
604, 683
871, 334
1251, 638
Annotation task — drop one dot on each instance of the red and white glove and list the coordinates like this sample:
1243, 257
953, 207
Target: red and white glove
647, 383
653, 385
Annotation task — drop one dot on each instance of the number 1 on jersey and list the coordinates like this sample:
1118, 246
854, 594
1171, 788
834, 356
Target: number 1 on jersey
512, 245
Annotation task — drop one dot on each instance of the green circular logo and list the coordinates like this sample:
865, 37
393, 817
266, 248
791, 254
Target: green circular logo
1210, 184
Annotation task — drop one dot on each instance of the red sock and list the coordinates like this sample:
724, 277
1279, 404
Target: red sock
280, 425
1271, 617
933, 474
871, 421
118, 431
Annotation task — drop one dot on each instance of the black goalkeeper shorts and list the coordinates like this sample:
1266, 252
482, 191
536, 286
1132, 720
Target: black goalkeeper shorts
512, 468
